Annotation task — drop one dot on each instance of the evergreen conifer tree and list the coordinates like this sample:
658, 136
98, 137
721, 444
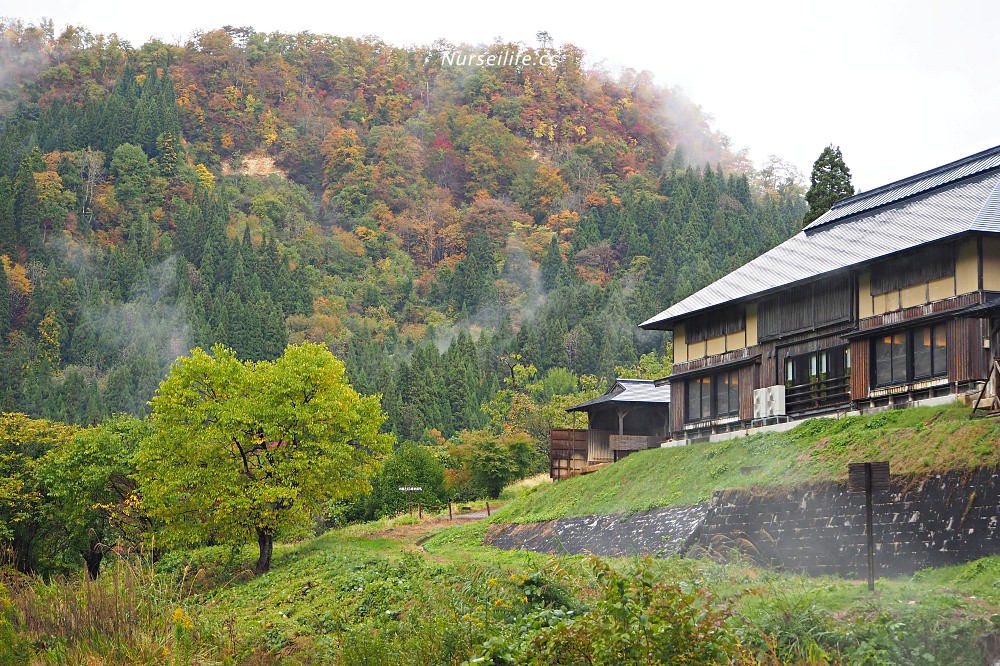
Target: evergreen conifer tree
829, 182
4, 308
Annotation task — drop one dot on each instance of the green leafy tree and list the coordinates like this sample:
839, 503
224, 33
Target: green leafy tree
829, 182
25, 513
247, 448
411, 465
491, 462
130, 167
91, 486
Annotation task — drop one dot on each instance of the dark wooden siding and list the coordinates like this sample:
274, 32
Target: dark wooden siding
860, 368
967, 360
716, 323
678, 400
914, 268
748, 382
807, 307
567, 452
767, 371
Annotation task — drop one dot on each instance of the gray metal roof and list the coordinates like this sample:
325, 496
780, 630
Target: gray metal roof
629, 391
911, 186
933, 214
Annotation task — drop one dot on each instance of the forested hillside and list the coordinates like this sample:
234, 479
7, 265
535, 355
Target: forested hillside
472, 241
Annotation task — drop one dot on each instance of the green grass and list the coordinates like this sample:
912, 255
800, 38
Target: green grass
914, 441
346, 599
393, 592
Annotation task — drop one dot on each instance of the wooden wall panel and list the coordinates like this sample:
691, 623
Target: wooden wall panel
967, 360
748, 382
860, 368
678, 399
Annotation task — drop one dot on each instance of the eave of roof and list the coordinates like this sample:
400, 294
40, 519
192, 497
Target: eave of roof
934, 213
629, 391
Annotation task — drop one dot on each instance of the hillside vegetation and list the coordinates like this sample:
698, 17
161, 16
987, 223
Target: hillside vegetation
474, 244
427, 221
914, 441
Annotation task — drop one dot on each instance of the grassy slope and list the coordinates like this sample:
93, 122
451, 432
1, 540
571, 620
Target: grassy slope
373, 595
914, 441
340, 595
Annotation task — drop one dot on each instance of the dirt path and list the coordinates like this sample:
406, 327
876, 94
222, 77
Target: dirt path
415, 533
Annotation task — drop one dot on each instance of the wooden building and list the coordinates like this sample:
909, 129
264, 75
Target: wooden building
633, 415
890, 297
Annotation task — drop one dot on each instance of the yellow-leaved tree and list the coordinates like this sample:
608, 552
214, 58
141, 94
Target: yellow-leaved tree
243, 449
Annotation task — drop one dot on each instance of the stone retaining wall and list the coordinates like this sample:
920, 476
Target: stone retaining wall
664, 531
931, 521
820, 529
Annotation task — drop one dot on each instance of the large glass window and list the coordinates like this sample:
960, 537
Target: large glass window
929, 352
713, 396
818, 366
904, 356
817, 379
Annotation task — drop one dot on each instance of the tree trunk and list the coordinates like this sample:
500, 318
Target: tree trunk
93, 559
265, 542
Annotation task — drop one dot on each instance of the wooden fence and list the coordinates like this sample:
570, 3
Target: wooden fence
567, 452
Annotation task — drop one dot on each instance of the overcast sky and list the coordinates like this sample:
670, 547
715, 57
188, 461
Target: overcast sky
900, 86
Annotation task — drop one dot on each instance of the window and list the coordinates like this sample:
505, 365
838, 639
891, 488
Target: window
905, 356
713, 396
816, 366
930, 352
818, 379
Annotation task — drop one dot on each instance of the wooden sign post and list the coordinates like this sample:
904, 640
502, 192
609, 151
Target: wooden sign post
867, 477
409, 490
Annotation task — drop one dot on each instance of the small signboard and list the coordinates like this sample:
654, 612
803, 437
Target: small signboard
856, 476
411, 489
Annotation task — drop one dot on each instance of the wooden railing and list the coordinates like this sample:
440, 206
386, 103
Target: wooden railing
631, 442
819, 394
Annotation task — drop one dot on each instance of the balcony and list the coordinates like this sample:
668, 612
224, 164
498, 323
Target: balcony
818, 395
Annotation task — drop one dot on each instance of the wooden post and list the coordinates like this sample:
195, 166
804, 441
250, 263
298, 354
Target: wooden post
450, 517
868, 477
420, 510
487, 507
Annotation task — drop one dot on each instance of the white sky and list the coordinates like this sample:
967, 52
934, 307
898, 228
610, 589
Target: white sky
900, 86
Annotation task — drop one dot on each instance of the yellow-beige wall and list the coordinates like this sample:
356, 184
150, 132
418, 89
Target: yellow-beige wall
751, 325
680, 345
967, 267
991, 263
683, 351
965, 280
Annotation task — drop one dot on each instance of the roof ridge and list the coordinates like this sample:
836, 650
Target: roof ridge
903, 189
919, 176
